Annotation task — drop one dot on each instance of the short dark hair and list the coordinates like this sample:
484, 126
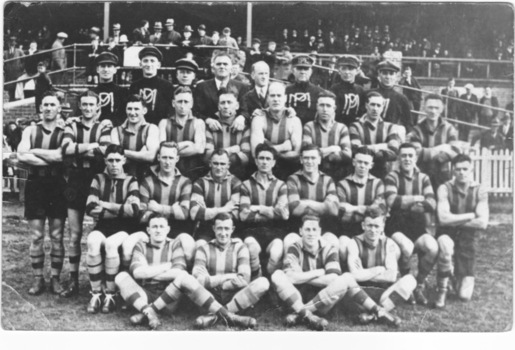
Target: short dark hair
407, 145
266, 147
451, 79
156, 216
51, 94
228, 91
461, 158
112, 148
220, 53
168, 144
222, 217
89, 93
182, 90
136, 98
374, 211
326, 94
371, 94
310, 217
220, 152
433, 97
364, 150
310, 147
143, 22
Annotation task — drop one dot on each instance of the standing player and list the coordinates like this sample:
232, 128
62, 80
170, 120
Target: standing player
350, 99
378, 135
138, 138
40, 148
436, 142
462, 211
312, 272
83, 145
222, 267
396, 105
279, 126
112, 97
157, 285
187, 131
236, 143
302, 95
114, 202
156, 92
330, 136
372, 260
217, 192
264, 211
412, 204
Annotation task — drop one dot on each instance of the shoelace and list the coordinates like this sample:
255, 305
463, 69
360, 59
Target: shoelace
109, 299
95, 297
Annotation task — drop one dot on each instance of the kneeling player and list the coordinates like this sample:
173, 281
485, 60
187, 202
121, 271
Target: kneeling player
159, 269
222, 266
312, 271
411, 200
264, 209
114, 202
372, 259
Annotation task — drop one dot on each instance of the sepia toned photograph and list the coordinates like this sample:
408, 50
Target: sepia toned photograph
257, 166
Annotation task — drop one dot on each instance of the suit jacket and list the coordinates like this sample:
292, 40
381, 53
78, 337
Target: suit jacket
172, 37
253, 102
143, 36
14, 69
484, 113
206, 98
58, 56
468, 112
205, 40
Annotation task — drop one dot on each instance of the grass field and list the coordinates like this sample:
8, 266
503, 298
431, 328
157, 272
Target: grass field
489, 311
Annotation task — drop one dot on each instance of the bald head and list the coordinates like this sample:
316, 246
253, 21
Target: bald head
276, 96
260, 73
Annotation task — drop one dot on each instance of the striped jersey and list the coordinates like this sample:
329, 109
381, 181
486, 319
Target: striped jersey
298, 259
79, 133
277, 131
363, 132
301, 187
42, 138
115, 190
254, 192
174, 195
133, 141
356, 192
225, 138
146, 255
213, 261
207, 193
380, 255
427, 138
399, 185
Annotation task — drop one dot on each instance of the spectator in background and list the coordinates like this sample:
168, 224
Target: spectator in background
284, 59
414, 97
284, 39
451, 105
486, 114
469, 69
270, 57
13, 135
44, 38
295, 43
43, 84
187, 41
32, 59
158, 31
141, 35
215, 38
332, 44
492, 139
13, 69
94, 51
202, 39
506, 129
59, 60
116, 32
227, 40
255, 54
467, 112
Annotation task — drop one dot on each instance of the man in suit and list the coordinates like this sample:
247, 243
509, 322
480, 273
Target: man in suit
202, 39
257, 97
12, 69
451, 91
206, 94
467, 112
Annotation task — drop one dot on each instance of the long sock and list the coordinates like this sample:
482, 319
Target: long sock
95, 271
287, 291
425, 265
112, 264
198, 294
170, 295
249, 295
361, 298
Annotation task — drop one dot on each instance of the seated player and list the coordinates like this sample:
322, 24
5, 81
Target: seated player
236, 143
331, 137
222, 267
113, 202
83, 145
138, 138
156, 285
217, 192
40, 148
372, 260
412, 204
311, 192
462, 211
263, 212
281, 127
382, 137
167, 192
312, 272
436, 141
187, 131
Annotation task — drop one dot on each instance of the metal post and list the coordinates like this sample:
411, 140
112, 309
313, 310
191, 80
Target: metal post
249, 24
488, 71
459, 70
107, 6
429, 69
74, 61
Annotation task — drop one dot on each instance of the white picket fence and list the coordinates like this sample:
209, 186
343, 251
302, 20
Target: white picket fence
494, 169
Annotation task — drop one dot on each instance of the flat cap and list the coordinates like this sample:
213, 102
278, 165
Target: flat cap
256, 41
388, 65
286, 48
469, 86
106, 57
187, 64
202, 26
169, 22
302, 61
123, 38
150, 51
158, 25
94, 30
187, 29
117, 26
62, 35
348, 60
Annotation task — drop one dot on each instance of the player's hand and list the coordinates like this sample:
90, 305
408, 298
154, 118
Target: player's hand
417, 208
153, 206
95, 213
230, 206
255, 208
238, 124
106, 123
213, 125
71, 120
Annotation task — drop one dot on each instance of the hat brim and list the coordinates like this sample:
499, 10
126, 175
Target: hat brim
186, 68
302, 65
106, 61
389, 68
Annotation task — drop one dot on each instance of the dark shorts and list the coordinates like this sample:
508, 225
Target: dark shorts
264, 235
109, 227
411, 225
223, 296
44, 197
465, 247
77, 188
308, 291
